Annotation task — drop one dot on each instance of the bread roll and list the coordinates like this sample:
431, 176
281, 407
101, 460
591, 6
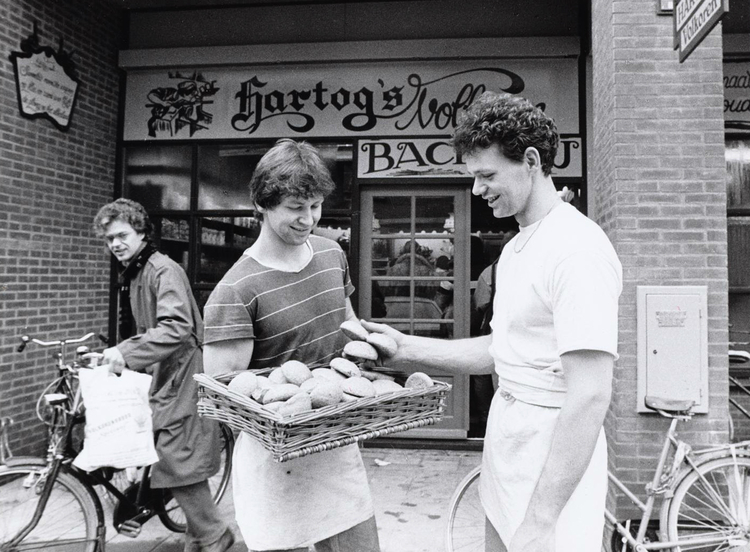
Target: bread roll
328, 374
263, 383
345, 367
297, 404
385, 345
385, 386
279, 392
373, 375
295, 371
358, 386
360, 349
244, 383
418, 380
354, 330
277, 376
325, 394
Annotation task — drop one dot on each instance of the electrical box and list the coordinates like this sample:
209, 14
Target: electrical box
673, 344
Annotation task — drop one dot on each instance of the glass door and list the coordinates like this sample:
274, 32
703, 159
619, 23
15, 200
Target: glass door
415, 277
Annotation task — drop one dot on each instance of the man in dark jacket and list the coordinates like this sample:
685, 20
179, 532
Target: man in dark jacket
162, 331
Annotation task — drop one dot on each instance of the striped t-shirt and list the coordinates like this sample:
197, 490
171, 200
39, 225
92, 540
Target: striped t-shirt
289, 315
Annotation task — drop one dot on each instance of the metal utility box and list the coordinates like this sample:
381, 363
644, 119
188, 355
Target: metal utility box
673, 344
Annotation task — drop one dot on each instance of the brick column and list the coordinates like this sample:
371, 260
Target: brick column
657, 187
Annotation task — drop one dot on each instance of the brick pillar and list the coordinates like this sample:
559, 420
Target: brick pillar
657, 187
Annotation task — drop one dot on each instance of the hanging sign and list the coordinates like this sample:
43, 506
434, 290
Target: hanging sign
359, 99
435, 158
737, 94
45, 81
693, 20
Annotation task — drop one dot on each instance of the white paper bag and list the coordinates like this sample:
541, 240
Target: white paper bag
119, 431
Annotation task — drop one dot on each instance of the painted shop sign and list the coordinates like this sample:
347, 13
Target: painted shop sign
435, 158
46, 85
693, 20
737, 95
365, 99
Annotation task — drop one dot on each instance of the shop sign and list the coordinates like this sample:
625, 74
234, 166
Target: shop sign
46, 85
435, 158
737, 95
363, 99
693, 20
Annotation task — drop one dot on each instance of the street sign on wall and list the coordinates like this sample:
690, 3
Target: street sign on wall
693, 20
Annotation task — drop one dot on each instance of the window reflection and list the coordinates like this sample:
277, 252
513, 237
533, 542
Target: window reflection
158, 177
224, 176
737, 156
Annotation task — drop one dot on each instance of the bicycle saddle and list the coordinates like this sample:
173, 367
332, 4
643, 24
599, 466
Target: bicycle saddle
669, 405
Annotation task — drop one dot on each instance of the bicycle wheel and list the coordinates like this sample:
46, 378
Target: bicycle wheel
171, 515
69, 521
466, 521
710, 510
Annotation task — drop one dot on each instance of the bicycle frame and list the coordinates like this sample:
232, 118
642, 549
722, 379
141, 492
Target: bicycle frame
666, 480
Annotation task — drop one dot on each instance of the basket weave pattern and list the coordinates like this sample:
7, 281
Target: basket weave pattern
325, 428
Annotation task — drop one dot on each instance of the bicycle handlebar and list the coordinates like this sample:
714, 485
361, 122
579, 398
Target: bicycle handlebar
25, 340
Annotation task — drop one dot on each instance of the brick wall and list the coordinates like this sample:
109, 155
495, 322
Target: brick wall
54, 274
658, 189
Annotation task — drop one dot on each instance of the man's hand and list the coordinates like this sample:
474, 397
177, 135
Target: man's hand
396, 335
533, 539
114, 358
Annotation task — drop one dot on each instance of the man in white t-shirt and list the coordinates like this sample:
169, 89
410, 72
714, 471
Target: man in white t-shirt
553, 342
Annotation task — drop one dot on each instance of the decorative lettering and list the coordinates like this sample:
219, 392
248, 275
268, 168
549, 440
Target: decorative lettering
412, 105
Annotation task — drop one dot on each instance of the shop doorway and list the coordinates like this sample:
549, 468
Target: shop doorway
415, 275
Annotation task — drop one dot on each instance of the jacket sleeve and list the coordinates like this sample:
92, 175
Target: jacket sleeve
174, 322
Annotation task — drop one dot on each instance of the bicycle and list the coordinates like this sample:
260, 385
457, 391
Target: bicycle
705, 506
48, 504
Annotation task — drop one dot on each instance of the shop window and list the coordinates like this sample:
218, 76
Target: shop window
224, 176
738, 239
158, 177
198, 197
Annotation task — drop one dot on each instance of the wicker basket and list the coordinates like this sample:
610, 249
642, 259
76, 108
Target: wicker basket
325, 428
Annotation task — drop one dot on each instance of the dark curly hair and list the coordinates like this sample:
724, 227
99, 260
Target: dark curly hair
511, 122
125, 210
293, 169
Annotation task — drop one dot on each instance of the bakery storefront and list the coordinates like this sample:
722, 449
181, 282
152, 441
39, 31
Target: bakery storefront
416, 237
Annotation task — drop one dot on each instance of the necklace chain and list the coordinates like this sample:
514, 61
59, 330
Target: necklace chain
534, 230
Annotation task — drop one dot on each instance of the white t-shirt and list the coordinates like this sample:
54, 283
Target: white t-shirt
557, 289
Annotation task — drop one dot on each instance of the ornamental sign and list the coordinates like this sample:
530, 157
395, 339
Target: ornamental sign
45, 81
693, 20
346, 100
435, 158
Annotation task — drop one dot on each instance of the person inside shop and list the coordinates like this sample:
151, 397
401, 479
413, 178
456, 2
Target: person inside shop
161, 332
285, 299
553, 341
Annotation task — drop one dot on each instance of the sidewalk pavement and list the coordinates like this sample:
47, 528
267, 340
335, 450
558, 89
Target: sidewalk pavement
411, 490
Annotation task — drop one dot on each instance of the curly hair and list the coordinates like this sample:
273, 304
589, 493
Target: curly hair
511, 122
125, 210
293, 169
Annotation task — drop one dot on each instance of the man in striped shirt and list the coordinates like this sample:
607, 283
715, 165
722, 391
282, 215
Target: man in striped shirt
285, 299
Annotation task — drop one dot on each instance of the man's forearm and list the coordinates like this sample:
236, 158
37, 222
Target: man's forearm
465, 356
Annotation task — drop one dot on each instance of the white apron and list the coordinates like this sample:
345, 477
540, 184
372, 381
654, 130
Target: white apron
293, 504
516, 446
